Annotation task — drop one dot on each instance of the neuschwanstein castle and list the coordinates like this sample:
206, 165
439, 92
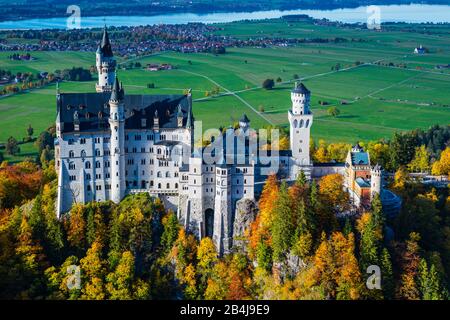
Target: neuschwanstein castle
110, 144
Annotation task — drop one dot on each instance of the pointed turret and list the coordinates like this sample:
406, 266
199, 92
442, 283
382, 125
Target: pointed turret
105, 45
116, 91
105, 64
189, 115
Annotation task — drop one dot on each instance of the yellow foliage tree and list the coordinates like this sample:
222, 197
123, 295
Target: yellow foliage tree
442, 166
331, 188
206, 254
93, 271
420, 162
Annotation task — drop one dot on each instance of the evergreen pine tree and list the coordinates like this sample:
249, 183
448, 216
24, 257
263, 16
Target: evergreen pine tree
301, 179
283, 226
387, 275
170, 233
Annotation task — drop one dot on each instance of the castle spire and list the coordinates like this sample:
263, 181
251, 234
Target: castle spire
189, 112
105, 45
116, 91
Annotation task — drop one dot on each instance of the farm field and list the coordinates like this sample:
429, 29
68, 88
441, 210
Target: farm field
374, 100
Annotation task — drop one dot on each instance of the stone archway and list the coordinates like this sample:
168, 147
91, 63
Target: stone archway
209, 223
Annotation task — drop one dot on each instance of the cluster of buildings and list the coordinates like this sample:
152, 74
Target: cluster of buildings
110, 144
159, 67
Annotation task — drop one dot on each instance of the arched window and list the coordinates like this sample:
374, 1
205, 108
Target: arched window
71, 154
176, 185
167, 174
307, 123
168, 185
295, 123
83, 154
87, 165
97, 164
97, 152
301, 124
159, 175
159, 185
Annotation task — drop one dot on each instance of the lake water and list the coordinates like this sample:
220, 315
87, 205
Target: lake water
391, 13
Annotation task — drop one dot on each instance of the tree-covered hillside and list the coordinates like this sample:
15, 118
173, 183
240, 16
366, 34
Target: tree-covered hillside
297, 246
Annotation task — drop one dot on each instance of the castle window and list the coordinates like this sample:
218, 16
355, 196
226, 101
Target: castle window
72, 178
88, 187
71, 166
159, 175
70, 141
82, 141
87, 165
142, 161
97, 164
142, 149
71, 154
307, 123
127, 137
295, 123
168, 186
88, 176
159, 185
98, 176
97, 152
134, 150
301, 124
300, 150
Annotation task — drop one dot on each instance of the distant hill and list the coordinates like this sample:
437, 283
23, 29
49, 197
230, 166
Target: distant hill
29, 9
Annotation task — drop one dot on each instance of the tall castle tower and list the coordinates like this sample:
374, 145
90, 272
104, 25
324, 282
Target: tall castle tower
300, 119
375, 180
106, 65
117, 125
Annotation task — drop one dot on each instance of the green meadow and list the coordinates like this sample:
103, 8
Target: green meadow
374, 100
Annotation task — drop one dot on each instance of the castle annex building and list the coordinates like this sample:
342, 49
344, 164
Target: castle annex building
110, 144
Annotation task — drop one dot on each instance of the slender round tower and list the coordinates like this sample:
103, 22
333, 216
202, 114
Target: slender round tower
106, 65
300, 119
117, 125
375, 180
